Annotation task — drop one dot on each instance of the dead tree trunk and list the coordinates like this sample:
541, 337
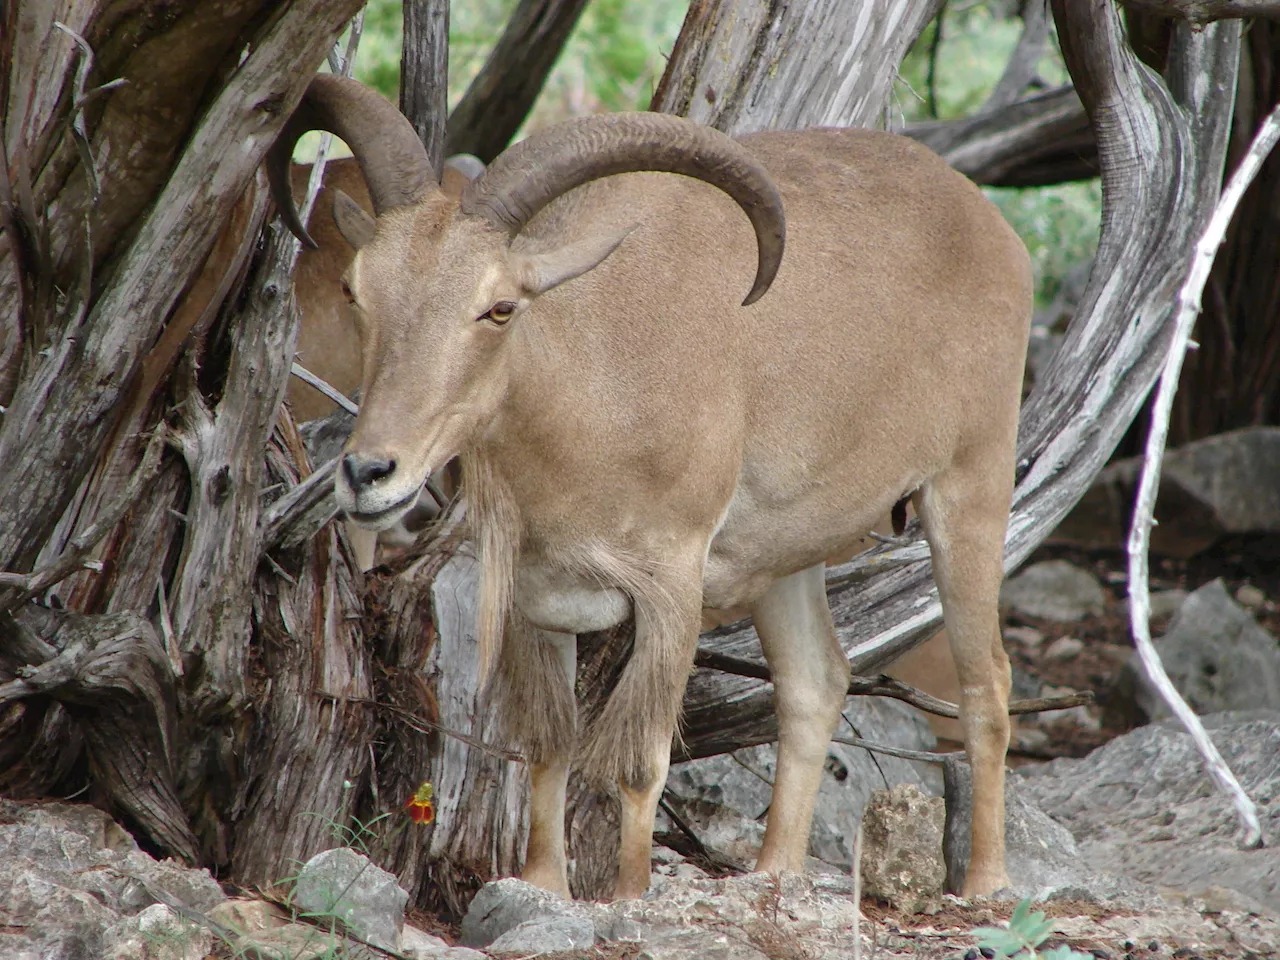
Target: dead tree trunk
133, 309
501, 95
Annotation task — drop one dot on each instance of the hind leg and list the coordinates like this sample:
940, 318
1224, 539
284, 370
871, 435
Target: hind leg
965, 513
810, 682
544, 860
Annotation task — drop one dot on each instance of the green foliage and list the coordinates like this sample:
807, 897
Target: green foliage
612, 61
1021, 941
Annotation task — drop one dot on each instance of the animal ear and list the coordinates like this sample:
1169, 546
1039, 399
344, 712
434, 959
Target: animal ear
544, 271
459, 170
353, 221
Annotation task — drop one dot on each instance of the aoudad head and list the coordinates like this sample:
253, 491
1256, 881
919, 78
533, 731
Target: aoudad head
435, 282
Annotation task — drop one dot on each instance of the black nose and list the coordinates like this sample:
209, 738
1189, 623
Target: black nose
362, 471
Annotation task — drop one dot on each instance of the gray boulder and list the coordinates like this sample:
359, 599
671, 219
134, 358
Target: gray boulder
1209, 488
1041, 855
503, 905
69, 875
348, 885
1143, 806
546, 935
1054, 590
1216, 655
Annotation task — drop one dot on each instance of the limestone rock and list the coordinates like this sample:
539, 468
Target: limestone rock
156, 933
1041, 855
1225, 484
504, 905
69, 874
1143, 806
1054, 590
902, 847
1216, 655
363, 896
546, 935
419, 944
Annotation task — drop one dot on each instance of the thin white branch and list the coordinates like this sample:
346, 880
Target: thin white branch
1144, 506
328, 389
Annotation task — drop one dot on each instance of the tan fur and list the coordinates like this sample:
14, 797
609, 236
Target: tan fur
637, 430
328, 335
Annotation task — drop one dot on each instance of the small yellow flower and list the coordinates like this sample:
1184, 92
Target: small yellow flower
421, 809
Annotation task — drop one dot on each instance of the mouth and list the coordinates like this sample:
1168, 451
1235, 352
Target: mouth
381, 519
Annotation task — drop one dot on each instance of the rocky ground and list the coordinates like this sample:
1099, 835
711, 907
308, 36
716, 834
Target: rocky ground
1112, 825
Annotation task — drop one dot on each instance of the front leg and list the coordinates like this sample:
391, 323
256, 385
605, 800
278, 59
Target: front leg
537, 671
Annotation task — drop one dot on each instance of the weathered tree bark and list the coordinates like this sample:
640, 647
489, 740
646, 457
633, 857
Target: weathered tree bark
1042, 140
744, 65
500, 97
424, 73
203, 714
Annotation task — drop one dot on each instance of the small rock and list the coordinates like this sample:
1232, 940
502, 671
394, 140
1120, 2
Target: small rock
1054, 590
1216, 655
546, 935
1028, 637
503, 905
157, 933
1251, 597
902, 847
1167, 602
851, 774
1064, 648
418, 944
349, 886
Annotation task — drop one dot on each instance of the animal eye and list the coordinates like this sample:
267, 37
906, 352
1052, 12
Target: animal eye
500, 312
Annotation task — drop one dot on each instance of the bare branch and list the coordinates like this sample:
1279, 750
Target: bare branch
903, 753
1038, 141
884, 686
498, 99
1205, 11
1144, 506
1021, 68
330, 391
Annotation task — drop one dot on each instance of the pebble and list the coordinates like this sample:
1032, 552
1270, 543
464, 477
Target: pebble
1251, 597
1029, 637
1064, 648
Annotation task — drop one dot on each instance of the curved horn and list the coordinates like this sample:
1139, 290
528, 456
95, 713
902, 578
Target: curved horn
528, 176
391, 157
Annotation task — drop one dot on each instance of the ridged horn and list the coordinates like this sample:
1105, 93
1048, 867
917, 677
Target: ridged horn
391, 157
531, 174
